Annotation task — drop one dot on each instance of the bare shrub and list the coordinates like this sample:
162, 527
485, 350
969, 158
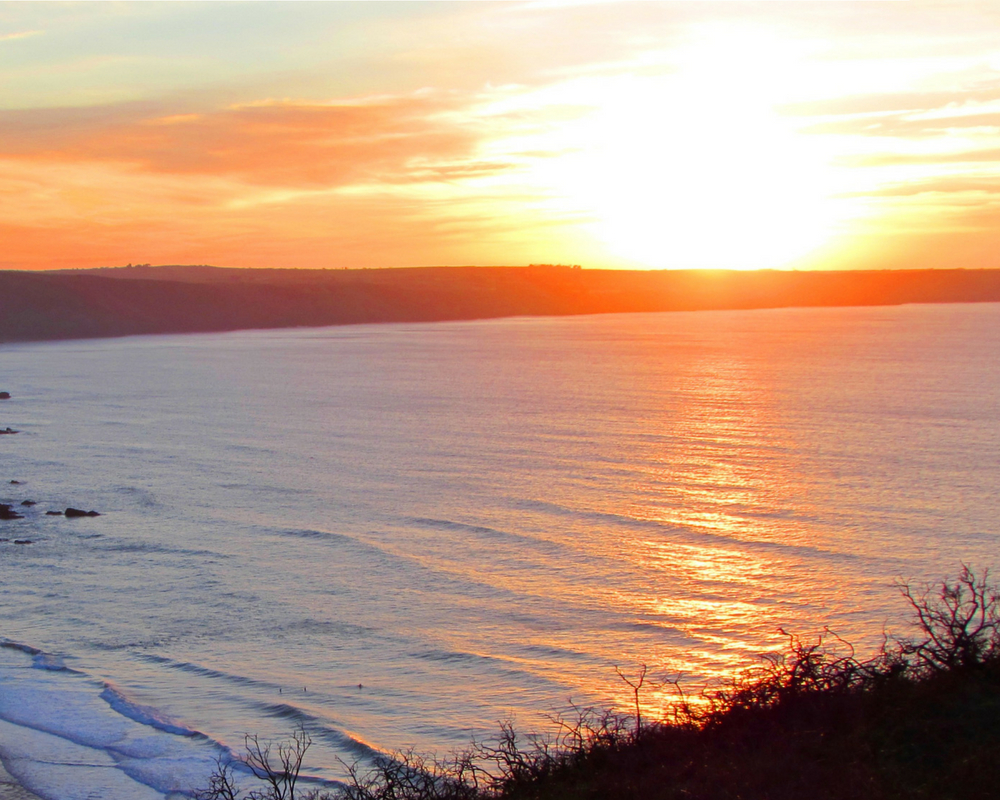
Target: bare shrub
826, 665
507, 765
276, 766
407, 776
959, 623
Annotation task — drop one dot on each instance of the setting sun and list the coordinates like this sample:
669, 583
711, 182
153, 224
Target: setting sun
695, 168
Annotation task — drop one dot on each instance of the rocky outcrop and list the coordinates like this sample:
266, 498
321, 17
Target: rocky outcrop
77, 512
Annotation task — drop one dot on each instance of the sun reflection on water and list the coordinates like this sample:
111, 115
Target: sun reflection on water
723, 473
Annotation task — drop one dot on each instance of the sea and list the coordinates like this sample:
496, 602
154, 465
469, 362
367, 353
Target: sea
399, 536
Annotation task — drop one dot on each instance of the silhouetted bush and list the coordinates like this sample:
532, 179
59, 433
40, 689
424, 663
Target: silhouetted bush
276, 766
960, 623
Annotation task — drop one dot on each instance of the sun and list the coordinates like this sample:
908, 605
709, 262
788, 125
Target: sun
696, 166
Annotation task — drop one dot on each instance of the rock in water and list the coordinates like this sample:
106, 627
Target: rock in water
77, 512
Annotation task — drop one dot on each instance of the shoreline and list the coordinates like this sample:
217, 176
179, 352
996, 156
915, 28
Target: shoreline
10, 789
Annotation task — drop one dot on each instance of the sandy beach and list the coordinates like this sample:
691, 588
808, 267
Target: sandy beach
10, 789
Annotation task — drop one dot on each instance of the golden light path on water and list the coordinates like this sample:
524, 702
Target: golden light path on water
709, 495
724, 423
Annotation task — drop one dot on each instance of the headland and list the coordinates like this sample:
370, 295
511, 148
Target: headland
127, 301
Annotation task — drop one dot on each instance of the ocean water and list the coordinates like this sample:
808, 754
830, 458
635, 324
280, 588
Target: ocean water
397, 535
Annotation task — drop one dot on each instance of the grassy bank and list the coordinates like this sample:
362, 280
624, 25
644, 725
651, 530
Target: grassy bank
919, 719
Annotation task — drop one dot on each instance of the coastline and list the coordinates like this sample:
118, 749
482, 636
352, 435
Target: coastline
10, 789
132, 301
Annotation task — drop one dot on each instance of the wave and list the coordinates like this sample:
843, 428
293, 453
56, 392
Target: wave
39, 658
144, 715
142, 497
555, 653
159, 549
449, 525
374, 552
24, 648
60, 728
325, 536
489, 533
50, 662
318, 729
692, 534
511, 667
205, 672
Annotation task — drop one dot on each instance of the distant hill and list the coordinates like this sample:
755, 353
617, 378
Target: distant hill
125, 301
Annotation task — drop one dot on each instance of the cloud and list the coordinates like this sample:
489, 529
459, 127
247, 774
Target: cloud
7, 37
313, 230
983, 156
901, 125
404, 139
946, 185
382, 181
910, 102
908, 114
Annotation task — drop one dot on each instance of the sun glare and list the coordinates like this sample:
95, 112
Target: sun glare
694, 166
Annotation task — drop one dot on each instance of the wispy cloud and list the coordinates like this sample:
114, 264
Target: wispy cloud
886, 102
281, 143
7, 37
978, 156
947, 186
902, 125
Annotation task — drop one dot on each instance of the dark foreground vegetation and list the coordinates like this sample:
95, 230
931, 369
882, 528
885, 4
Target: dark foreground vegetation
185, 299
919, 719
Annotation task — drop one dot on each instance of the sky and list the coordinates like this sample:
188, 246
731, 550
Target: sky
736, 135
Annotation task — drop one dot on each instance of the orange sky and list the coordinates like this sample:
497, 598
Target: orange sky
680, 134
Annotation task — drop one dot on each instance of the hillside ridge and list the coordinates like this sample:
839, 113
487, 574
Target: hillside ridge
127, 301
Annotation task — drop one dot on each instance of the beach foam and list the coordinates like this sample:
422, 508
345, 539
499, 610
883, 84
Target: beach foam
64, 735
